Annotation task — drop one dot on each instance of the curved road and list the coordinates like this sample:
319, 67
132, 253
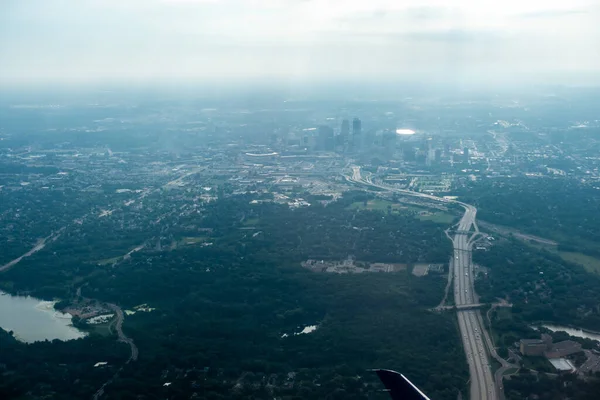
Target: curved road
121, 335
472, 331
122, 338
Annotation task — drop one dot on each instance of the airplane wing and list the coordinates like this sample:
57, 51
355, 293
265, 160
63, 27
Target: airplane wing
399, 387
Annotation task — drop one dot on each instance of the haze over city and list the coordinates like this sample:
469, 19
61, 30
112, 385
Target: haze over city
299, 199
293, 41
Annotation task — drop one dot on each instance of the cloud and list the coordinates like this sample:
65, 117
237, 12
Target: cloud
554, 13
204, 39
454, 35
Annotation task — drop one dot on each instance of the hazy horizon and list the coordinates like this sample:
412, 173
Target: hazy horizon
293, 41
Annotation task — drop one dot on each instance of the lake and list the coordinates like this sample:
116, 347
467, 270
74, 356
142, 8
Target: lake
573, 332
33, 320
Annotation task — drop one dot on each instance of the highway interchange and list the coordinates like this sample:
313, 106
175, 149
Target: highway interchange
474, 337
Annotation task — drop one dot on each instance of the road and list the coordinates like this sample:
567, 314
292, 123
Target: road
39, 246
122, 338
121, 335
469, 321
472, 331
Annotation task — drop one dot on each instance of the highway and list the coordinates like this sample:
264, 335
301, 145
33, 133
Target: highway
474, 338
469, 321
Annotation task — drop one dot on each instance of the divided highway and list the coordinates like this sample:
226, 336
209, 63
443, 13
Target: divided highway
482, 381
469, 321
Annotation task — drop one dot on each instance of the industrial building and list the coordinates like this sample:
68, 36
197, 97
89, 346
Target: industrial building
562, 365
545, 347
532, 347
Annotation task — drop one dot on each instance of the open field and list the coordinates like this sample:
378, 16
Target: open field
101, 329
108, 261
382, 205
376, 204
537, 363
438, 218
192, 239
591, 264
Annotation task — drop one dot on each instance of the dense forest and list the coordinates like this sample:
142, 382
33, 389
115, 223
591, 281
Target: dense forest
562, 209
229, 308
541, 285
542, 288
57, 370
546, 387
232, 225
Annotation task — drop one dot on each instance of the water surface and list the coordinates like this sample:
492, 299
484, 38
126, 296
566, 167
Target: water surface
573, 332
33, 320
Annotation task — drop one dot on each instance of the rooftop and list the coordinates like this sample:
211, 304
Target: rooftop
532, 341
562, 364
564, 345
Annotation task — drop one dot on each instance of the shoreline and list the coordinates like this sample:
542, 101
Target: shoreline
573, 327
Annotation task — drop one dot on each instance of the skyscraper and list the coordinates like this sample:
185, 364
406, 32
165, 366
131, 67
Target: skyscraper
356, 143
345, 131
356, 127
343, 137
388, 142
466, 155
326, 140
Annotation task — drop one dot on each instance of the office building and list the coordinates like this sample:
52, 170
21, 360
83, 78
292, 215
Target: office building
345, 130
356, 127
563, 349
357, 142
325, 139
532, 347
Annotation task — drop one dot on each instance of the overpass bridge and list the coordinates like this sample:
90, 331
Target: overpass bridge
461, 307
471, 306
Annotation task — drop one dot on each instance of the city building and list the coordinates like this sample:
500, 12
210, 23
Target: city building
388, 142
466, 155
344, 132
325, 139
562, 365
545, 347
357, 141
532, 347
356, 127
563, 349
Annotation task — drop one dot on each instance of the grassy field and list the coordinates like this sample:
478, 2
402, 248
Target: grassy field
101, 329
192, 240
377, 204
510, 371
382, 205
250, 221
591, 264
107, 261
438, 218
502, 314
537, 363
494, 364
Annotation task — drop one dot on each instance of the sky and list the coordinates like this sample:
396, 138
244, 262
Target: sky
475, 41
